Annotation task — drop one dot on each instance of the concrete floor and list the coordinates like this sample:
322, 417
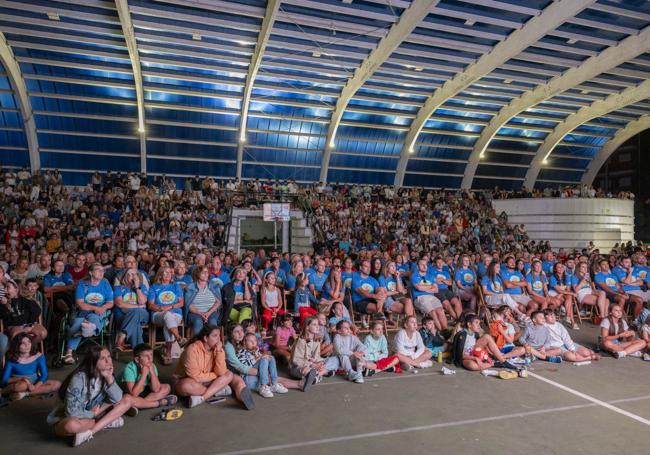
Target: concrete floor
463, 413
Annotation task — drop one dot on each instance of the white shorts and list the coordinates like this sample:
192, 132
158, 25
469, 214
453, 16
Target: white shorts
584, 292
496, 300
427, 303
520, 298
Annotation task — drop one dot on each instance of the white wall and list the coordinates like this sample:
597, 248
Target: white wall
572, 223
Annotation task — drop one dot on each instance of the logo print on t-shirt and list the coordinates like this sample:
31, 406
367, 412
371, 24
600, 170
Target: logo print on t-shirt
468, 277
167, 297
367, 287
348, 283
392, 286
537, 285
130, 298
93, 298
514, 279
643, 274
611, 282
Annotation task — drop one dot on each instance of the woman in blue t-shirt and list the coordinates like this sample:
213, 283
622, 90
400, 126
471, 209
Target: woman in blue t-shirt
492, 286
131, 309
25, 372
562, 289
94, 297
166, 302
538, 287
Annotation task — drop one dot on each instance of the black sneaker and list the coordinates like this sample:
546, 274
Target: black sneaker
308, 380
390, 370
330, 374
369, 372
246, 397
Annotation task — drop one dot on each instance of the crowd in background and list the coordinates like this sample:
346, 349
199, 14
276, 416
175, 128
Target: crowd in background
124, 252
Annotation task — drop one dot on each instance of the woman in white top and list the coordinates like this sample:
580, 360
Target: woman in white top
617, 338
587, 294
271, 296
409, 346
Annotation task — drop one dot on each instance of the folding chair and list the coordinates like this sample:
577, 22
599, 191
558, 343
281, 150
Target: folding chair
483, 309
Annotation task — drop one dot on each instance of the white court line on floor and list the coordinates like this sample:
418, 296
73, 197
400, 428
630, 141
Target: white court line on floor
590, 398
352, 437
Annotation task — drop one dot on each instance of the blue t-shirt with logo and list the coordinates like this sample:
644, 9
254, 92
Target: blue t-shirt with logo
642, 272
494, 286
220, 279
607, 280
166, 295
96, 295
280, 276
49, 280
318, 280
368, 283
467, 277
420, 278
346, 277
129, 296
565, 281
513, 276
537, 282
390, 284
621, 274
441, 273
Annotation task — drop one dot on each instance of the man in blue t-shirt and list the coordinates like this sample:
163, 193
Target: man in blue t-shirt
631, 281
515, 283
367, 296
424, 289
442, 278
465, 278
318, 278
609, 283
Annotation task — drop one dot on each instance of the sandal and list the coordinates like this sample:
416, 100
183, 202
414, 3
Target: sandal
68, 359
169, 400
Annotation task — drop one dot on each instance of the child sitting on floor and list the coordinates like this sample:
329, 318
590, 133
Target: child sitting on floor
337, 314
350, 352
284, 337
504, 334
140, 380
377, 358
326, 346
535, 338
432, 340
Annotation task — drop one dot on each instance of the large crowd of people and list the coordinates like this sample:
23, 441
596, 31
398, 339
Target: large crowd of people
136, 267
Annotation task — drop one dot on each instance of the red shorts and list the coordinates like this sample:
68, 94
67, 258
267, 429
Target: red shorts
385, 362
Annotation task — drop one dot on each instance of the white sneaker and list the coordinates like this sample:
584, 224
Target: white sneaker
265, 391
117, 423
279, 388
636, 354
646, 357
426, 364
619, 354
225, 392
411, 369
358, 378
195, 400
82, 437
489, 372
17, 396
